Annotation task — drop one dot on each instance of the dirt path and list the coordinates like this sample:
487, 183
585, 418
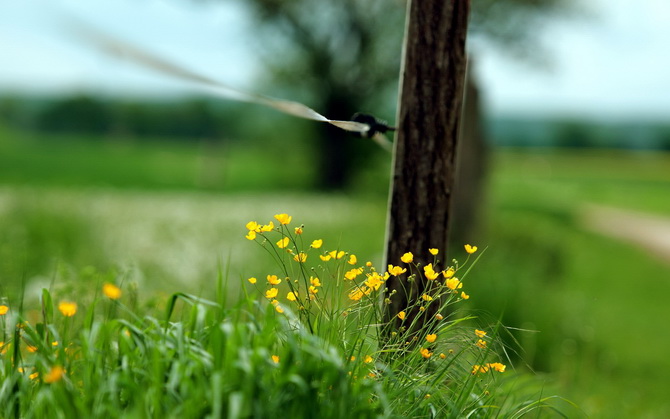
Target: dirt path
650, 232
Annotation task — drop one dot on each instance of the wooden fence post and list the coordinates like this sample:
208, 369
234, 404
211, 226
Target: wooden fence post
431, 96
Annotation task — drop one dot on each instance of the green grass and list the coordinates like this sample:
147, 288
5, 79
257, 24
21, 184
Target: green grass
597, 303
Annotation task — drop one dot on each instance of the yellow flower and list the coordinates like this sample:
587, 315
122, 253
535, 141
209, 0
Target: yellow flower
425, 353
368, 359
292, 296
313, 290
438, 316
337, 255
251, 235
268, 227
325, 258
396, 270
353, 273
368, 264
449, 273
67, 308
407, 257
431, 338
480, 333
402, 315
283, 218
464, 295
316, 244
271, 293
274, 280
374, 281
3, 309
434, 251
352, 260
358, 293
298, 230
282, 243
275, 359
252, 280
470, 249
479, 368
111, 291
252, 226
314, 281
481, 343
300, 257
453, 283
32, 349
279, 309
34, 376
54, 375
426, 297
497, 366
429, 272
442, 356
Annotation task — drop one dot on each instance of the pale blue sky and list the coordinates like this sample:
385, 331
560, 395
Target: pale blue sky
613, 64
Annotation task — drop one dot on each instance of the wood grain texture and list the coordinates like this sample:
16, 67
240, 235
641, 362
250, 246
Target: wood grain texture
431, 97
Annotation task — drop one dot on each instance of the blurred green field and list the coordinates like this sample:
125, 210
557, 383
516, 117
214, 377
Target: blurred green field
170, 216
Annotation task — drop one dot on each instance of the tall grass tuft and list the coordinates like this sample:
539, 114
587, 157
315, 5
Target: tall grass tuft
308, 341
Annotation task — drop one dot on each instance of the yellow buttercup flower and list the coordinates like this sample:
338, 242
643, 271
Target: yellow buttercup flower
279, 309
325, 258
54, 375
480, 333
453, 283
313, 290
337, 255
274, 280
283, 218
429, 272
434, 251
251, 235
431, 338
252, 226
316, 244
442, 356
271, 293
449, 273
426, 297
402, 315
407, 257
425, 353
470, 249
396, 270
292, 296
252, 280
298, 230
316, 282
111, 291
275, 359
353, 273
368, 359
438, 316
464, 295
374, 280
3, 309
359, 292
268, 227
67, 308
300, 257
352, 260
282, 243
481, 343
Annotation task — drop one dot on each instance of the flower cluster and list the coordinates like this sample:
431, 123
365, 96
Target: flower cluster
31, 347
298, 286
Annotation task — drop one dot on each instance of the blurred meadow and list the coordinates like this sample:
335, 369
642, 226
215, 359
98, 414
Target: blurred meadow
158, 191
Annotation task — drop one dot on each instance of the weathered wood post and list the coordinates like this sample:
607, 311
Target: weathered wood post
431, 96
